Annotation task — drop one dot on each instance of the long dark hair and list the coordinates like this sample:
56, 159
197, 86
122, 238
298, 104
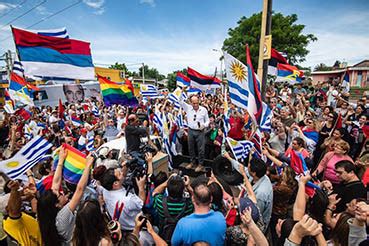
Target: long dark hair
340, 232
90, 226
46, 215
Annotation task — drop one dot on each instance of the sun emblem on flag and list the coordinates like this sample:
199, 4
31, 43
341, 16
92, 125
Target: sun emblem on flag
238, 71
12, 164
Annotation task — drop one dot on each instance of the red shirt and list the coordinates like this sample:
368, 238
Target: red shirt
236, 128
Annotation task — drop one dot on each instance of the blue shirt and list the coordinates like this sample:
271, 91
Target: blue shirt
210, 228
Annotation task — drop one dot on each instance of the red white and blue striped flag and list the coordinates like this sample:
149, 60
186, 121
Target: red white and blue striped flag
47, 56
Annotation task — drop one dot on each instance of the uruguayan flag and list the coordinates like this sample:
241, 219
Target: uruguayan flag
158, 120
226, 123
180, 122
149, 91
26, 157
175, 98
90, 144
266, 119
18, 68
192, 91
95, 111
240, 149
237, 74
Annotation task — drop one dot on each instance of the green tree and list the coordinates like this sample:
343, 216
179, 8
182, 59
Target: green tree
172, 81
287, 37
322, 67
123, 68
151, 73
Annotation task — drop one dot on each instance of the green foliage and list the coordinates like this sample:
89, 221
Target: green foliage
172, 81
151, 73
122, 67
287, 37
322, 67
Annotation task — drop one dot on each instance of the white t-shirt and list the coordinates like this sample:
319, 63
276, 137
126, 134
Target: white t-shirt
132, 206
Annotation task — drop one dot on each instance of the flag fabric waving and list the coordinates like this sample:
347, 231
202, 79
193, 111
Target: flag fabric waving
237, 81
240, 149
201, 81
254, 106
149, 91
114, 93
175, 98
289, 73
57, 32
9, 103
182, 80
275, 58
74, 164
28, 156
48, 56
346, 82
21, 91
266, 119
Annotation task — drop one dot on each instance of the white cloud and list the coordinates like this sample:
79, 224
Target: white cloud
166, 54
42, 10
98, 5
331, 46
149, 2
6, 6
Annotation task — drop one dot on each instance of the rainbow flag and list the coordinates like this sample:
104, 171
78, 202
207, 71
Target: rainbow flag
115, 93
74, 164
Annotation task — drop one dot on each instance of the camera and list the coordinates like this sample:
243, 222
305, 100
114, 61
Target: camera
144, 224
113, 228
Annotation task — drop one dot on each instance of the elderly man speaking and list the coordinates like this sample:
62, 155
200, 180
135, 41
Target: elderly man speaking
197, 120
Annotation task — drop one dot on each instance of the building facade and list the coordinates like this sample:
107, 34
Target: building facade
358, 74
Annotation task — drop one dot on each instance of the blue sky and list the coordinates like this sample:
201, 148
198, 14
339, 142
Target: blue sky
171, 35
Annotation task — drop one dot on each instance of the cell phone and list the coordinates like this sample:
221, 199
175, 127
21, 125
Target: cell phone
208, 171
144, 224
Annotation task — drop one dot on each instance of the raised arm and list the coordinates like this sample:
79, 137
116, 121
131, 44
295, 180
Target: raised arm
299, 206
15, 202
81, 184
57, 179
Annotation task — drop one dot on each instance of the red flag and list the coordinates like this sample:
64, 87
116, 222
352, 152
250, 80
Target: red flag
61, 109
297, 164
129, 85
25, 114
338, 123
255, 104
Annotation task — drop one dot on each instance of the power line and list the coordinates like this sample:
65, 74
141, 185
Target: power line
12, 9
48, 17
20, 16
56, 13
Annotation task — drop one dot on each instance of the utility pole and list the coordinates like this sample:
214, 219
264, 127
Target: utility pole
266, 28
8, 62
143, 73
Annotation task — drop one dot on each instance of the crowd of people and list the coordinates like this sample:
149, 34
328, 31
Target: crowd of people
121, 199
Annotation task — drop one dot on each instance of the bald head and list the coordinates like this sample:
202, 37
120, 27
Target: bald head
132, 118
195, 102
202, 195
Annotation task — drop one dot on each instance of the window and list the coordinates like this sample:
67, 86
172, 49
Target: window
359, 78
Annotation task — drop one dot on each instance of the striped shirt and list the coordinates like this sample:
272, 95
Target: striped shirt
174, 206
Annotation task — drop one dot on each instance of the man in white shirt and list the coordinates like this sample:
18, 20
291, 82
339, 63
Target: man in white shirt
197, 121
122, 206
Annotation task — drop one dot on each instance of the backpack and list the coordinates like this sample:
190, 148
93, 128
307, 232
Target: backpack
169, 223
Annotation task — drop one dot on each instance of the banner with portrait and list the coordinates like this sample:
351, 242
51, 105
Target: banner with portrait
67, 92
